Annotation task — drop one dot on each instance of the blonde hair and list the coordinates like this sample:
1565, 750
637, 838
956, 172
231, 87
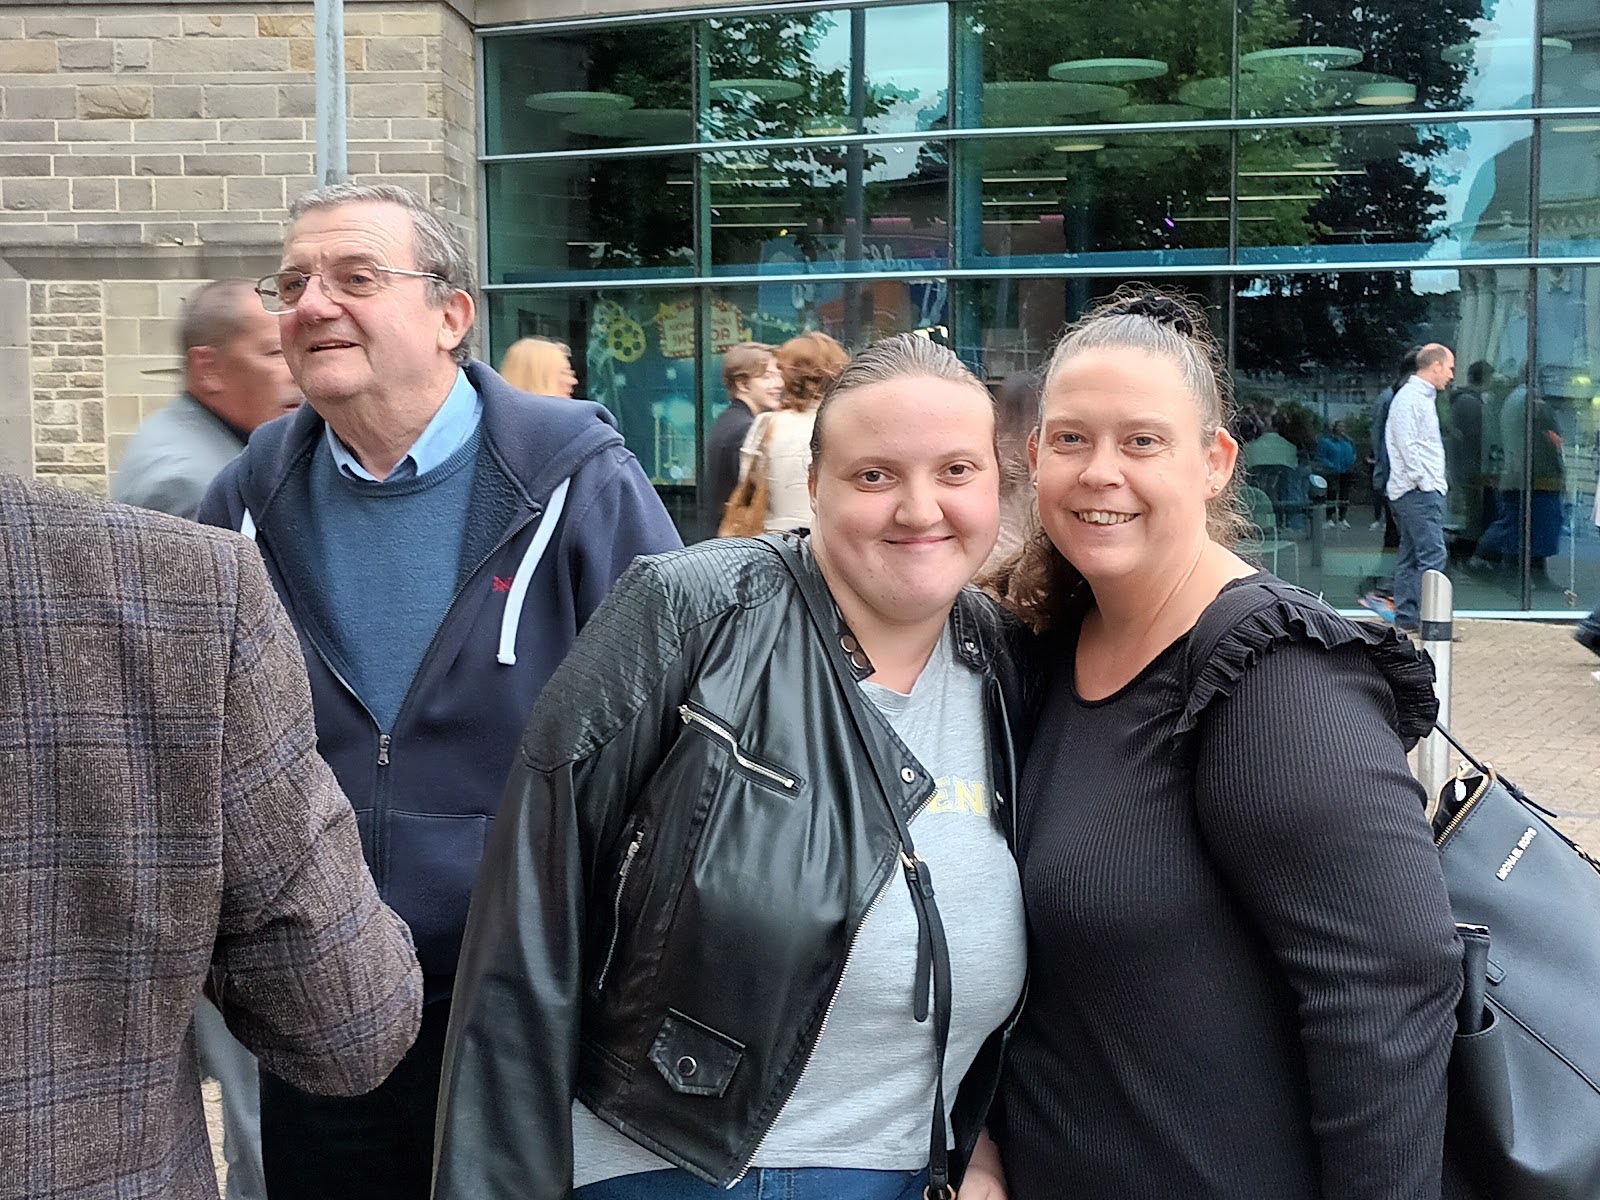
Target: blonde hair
534, 364
1038, 583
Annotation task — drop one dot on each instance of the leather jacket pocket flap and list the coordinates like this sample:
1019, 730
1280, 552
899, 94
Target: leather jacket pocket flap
693, 1058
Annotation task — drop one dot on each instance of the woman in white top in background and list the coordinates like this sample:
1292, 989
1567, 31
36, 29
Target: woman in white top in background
809, 364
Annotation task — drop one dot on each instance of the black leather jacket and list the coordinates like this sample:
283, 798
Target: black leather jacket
688, 843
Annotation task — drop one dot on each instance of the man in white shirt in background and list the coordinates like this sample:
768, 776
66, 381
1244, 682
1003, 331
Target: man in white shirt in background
1417, 486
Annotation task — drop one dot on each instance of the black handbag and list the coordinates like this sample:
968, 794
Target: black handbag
1524, 1115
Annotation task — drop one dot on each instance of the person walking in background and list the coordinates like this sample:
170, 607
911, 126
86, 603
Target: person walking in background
754, 385
439, 538
1337, 454
706, 956
1417, 485
234, 379
1464, 451
166, 820
779, 442
539, 365
1382, 518
1243, 966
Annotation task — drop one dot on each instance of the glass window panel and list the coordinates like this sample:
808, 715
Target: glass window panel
814, 210
1384, 192
1571, 54
1057, 64
605, 217
1569, 394
1006, 327
824, 74
1303, 57
578, 89
1569, 184
1115, 199
633, 350
1315, 349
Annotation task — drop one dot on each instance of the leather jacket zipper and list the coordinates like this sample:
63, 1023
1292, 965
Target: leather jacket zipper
616, 906
726, 735
832, 1001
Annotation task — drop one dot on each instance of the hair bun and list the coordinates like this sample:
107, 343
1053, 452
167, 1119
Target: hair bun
1163, 310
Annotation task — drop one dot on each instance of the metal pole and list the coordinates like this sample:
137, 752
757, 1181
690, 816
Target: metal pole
333, 159
1438, 619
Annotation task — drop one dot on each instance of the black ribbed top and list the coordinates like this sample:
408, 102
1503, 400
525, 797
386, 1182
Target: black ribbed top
1244, 966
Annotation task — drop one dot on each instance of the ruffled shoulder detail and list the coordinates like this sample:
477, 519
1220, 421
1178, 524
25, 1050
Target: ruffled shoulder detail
1252, 616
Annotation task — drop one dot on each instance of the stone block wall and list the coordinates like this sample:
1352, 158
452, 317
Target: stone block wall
144, 149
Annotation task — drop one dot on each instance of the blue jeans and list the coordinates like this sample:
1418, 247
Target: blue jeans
763, 1183
234, 1068
1420, 517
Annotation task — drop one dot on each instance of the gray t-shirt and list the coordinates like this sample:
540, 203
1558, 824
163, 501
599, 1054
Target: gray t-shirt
865, 1099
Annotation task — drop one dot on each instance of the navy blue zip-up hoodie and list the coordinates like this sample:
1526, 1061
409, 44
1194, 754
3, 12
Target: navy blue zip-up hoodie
559, 509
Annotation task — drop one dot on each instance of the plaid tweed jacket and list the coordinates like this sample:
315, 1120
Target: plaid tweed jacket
164, 816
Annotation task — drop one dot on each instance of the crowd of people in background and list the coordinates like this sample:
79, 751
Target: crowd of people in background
527, 853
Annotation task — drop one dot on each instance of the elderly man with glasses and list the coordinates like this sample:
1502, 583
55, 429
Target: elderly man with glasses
438, 538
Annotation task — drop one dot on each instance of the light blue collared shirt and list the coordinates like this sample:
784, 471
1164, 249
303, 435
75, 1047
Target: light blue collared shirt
449, 430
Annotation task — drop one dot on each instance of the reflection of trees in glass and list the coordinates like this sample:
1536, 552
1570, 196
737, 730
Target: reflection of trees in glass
779, 49
1022, 39
1309, 324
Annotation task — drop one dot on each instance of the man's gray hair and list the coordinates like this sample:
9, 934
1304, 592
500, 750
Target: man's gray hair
216, 313
435, 245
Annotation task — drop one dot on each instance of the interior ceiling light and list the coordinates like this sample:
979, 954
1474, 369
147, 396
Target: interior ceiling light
1159, 112
634, 124
1025, 178
761, 89
1297, 58
1464, 52
1265, 91
1303, 173
1079, 146
1035, 102
578, 102
1386, 93
828, 127
1318, 165
1266, 199
1108, 70
1583, 125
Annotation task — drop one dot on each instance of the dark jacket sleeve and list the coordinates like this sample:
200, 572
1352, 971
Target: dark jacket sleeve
599, 728
318, 976
615, 517
223, 502
1307, 805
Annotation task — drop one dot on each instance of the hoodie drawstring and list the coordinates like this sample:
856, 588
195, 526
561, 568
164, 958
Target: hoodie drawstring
524, 576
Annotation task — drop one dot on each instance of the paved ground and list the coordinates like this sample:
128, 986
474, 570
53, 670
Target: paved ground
1524, 700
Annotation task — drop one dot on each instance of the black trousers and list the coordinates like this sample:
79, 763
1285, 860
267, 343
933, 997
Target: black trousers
373, 1147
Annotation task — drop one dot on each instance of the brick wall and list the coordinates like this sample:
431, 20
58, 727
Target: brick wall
144, 149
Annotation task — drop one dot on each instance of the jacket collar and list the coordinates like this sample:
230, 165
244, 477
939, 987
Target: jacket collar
973, 621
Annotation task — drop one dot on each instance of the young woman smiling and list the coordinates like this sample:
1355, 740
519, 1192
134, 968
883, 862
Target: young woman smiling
706, 956
1243, 963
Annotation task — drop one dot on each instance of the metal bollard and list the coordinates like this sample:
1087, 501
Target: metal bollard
1438, 619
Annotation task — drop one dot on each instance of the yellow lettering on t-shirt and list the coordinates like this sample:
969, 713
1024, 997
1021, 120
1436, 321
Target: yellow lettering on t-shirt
959, 796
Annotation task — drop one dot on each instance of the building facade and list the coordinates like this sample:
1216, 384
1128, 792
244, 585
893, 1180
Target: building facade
1338, 183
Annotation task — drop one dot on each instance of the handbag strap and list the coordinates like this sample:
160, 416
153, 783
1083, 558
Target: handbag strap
933, 952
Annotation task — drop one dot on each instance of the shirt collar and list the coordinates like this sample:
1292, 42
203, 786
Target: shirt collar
1427, 387
449, 430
